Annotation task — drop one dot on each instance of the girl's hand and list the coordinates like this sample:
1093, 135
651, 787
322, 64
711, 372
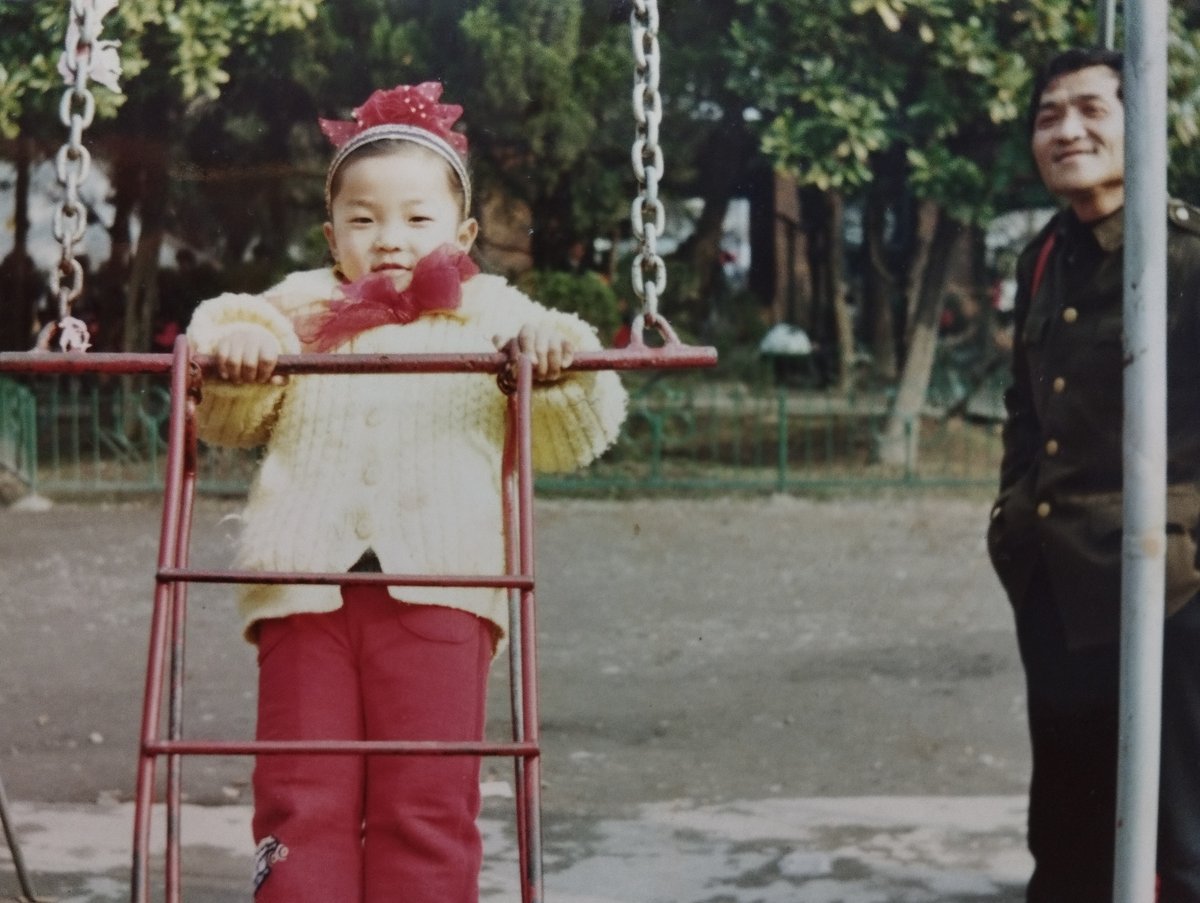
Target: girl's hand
248, 355
550, 350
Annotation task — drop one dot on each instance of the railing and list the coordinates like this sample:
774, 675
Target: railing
712, 436
18, 439
95, 434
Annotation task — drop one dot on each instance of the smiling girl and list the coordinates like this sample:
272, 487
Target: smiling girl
399, 473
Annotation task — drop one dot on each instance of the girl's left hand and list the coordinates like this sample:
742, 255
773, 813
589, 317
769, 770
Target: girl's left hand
550, 350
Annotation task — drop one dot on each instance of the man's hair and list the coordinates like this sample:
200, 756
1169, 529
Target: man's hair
1072, 61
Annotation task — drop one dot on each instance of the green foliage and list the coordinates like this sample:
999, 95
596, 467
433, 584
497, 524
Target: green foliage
828, 139
544, 84
233, 89
585, 294
31, 37
12, 87
529, 58
936, 84
195, 38
1184, 107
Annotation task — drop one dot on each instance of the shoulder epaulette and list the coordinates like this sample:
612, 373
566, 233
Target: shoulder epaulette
1185, 216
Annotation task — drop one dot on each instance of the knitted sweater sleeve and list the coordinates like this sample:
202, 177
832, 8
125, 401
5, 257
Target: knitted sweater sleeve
239, 415
577, 418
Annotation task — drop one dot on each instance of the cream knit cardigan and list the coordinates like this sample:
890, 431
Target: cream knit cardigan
407, 465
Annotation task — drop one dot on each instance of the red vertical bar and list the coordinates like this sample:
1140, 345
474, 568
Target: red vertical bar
516, 667
178, 597
152, 699
532, 890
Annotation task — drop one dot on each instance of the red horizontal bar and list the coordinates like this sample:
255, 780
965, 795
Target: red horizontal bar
645, 358
338, 747
48, 362
350, 578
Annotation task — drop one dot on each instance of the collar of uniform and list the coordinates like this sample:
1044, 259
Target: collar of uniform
1110, 231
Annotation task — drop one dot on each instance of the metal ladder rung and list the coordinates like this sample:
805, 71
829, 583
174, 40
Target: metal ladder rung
492, 581
340, 747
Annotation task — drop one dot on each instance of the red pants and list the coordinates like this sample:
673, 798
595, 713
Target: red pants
340, 828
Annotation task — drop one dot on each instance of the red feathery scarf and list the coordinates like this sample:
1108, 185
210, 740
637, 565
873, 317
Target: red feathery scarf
373, 300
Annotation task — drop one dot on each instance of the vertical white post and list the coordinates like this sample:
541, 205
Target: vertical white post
1143, 572
1106, 23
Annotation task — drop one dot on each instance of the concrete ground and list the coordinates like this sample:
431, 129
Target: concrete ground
743, 700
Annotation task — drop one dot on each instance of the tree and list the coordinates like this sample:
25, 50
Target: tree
910, 109
29, 94
172, 54
538, 85
1184, 101
915, 109
215, 137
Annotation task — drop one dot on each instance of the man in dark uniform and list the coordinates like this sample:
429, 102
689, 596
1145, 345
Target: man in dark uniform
1055, 533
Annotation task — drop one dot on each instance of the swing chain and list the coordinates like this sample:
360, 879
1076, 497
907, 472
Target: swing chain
647, 215
84, 54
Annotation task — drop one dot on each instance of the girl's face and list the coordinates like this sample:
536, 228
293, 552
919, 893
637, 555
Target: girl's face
390, 210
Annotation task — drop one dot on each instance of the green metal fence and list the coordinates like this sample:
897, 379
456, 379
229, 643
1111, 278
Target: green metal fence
90, 434
18, 433
696, 436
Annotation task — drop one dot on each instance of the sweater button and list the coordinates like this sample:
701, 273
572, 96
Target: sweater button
362, 526
1043, 509
373, 417
1052, 447
1059, 384
1070, 315
370, 476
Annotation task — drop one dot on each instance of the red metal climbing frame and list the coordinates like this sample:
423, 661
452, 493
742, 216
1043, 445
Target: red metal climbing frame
165, 660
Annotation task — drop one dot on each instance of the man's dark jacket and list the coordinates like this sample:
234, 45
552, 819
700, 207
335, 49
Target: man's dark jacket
1060, 478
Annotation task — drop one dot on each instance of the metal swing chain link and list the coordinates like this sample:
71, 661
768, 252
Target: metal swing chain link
647, 215
72, 164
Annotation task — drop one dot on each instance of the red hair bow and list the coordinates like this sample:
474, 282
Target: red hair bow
415, 105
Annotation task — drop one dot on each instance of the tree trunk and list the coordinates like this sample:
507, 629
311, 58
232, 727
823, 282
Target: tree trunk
552, 237
703, 250
780, 242
879, 287
830, 324
20, 284
108, 284
928, 216
23, 164
142, 295
899, 442
143, 276
816, 208
722, 174
843, 323
127, 192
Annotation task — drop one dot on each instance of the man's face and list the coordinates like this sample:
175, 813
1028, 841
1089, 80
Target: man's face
1079, 139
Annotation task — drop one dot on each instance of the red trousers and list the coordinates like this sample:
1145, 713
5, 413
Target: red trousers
342, 828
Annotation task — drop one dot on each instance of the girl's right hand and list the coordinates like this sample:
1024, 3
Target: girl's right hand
248, 355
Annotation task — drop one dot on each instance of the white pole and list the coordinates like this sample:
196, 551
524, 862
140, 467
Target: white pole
1143, 570
1106, 23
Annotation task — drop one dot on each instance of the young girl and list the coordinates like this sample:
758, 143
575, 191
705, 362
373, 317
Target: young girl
399, 473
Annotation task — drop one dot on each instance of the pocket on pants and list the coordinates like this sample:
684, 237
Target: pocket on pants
438, 623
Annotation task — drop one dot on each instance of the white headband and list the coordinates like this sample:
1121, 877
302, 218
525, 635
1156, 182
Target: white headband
413, 134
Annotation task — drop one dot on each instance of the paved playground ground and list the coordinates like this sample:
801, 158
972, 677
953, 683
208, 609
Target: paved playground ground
761, 700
